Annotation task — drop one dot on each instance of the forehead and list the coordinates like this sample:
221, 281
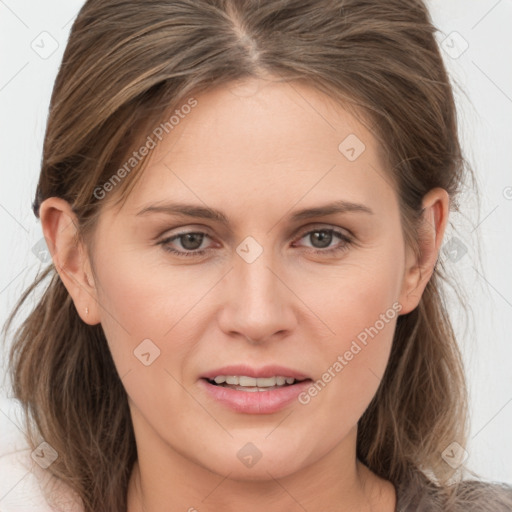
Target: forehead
257, 143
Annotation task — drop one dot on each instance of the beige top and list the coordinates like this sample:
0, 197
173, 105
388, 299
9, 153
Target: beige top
22, 478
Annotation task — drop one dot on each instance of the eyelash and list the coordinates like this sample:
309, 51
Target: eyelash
347, 241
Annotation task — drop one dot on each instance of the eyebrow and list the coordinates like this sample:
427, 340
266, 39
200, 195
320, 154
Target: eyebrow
197, 211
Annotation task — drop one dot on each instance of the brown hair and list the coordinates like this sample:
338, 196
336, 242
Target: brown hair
127, 65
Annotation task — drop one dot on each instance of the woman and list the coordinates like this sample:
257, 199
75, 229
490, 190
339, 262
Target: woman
245, 203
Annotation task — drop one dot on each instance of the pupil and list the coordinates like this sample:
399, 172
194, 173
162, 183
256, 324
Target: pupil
325, 237
190, 237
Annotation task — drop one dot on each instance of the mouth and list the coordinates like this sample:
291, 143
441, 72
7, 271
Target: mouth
254, 391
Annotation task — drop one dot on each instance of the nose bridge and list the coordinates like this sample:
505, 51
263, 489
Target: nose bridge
256, 282
258, 303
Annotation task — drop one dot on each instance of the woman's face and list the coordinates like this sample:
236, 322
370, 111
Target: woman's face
273, 287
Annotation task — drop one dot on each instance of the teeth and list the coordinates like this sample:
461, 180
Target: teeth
248, 381
261, 382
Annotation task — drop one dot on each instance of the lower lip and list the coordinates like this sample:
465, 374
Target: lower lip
257, 402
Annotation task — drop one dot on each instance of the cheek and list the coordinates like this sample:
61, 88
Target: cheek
144, 309
145, 301
356, 295
363, 317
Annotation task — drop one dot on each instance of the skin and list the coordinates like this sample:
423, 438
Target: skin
258, 151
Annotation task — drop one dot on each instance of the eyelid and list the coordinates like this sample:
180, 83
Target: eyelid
302, 231
186, 228
318, 226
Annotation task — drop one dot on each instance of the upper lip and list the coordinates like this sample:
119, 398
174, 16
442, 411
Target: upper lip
248, 371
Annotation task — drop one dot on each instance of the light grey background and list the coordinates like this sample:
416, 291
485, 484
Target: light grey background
476, 38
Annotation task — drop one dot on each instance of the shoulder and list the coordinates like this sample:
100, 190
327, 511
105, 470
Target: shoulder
478, 495
22, 479
420, 494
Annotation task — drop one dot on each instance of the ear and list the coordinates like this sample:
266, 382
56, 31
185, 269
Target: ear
419, 268
59, 224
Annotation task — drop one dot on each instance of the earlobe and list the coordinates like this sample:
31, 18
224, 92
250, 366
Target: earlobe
420, 267
59, 225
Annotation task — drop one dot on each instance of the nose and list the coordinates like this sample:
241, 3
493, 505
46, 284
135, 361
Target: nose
257, 304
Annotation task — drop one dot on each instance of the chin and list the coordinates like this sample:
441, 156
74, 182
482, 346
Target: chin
276, 465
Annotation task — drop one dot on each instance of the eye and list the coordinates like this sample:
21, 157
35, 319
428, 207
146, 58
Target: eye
323, 237
191, 241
